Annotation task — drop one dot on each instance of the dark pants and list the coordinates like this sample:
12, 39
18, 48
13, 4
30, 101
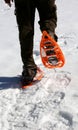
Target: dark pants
25, 14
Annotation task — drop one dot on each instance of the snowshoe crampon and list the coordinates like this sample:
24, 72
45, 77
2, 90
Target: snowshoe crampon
51, 54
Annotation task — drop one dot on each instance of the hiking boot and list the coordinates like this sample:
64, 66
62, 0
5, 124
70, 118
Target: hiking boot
28, 75
53, 35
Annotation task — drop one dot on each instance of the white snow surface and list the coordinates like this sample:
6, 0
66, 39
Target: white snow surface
51, 104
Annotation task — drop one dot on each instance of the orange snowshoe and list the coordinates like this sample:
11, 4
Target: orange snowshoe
37, 78
51, 53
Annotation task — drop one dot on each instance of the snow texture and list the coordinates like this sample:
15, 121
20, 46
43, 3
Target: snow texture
51, 104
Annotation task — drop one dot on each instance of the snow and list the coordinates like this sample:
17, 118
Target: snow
51, 104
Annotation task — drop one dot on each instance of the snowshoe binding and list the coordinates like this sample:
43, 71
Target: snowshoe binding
39, 75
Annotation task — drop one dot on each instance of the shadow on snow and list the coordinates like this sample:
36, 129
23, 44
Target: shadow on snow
10, 82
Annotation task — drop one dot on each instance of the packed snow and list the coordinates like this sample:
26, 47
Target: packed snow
51, 104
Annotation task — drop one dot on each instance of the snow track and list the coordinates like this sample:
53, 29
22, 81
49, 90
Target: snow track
36, 108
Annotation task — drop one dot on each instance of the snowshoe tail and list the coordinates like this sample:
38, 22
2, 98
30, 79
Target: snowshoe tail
51, 53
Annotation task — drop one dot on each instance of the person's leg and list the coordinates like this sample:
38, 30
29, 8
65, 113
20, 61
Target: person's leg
25, 11
48, 16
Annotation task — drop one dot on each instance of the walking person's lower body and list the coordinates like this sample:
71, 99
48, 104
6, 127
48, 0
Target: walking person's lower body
25, 14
